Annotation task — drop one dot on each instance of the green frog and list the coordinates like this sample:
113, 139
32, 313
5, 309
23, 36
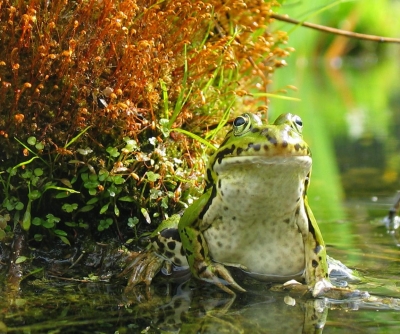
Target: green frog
253, 214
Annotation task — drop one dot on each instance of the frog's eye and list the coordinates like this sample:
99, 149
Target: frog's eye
298, 123
241, 125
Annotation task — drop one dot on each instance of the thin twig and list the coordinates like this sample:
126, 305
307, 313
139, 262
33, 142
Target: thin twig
79, 258
70, 279
336, 31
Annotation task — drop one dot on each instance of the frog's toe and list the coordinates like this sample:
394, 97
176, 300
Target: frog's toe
143, 269
220, 276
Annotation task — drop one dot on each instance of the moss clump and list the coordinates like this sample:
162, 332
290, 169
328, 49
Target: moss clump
92, 93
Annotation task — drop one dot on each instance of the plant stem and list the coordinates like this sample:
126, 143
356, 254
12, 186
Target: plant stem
336, 31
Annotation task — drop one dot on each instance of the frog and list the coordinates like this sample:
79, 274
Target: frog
253, 214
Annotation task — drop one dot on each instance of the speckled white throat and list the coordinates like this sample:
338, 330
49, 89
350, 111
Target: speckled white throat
257, 220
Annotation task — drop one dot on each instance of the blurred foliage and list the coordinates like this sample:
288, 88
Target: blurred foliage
363, 16
349, 90
93, 93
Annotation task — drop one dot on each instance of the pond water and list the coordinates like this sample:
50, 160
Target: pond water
55, 306
351, 119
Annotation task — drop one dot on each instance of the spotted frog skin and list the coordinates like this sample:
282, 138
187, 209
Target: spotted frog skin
253, 214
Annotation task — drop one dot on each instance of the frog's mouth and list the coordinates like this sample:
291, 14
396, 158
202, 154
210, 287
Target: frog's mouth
302, 162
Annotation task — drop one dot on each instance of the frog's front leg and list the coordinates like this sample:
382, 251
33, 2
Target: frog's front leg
317, 274
316, 271
200, 263
196, 248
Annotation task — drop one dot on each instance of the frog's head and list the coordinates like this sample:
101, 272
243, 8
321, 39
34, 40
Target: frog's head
252, 141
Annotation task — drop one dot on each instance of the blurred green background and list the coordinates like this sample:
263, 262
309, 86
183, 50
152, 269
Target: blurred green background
350, 101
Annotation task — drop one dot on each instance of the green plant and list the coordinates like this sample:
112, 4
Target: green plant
104, 224
4, 219
50, 223
121, 102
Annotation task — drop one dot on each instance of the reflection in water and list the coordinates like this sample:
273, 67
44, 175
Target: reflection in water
194, 307
190, 307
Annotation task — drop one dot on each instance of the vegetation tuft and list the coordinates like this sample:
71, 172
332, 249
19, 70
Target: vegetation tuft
100, 102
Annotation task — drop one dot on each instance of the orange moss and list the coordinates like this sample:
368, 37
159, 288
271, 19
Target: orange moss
119, 70
66, 65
